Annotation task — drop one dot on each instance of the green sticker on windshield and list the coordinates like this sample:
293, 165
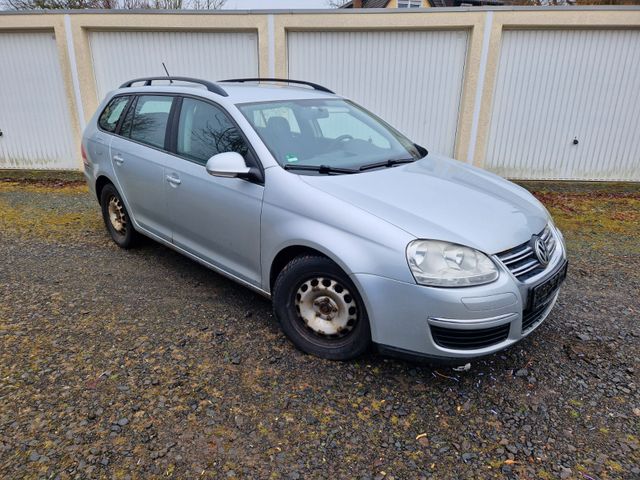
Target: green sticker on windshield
291, 158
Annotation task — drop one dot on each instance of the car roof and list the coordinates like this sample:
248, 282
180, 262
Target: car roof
237, 92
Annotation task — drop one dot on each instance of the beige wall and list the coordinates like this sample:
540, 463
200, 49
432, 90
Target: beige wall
485, 28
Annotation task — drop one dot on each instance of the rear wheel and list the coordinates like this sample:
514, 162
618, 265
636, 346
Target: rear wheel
116, 218
320, 309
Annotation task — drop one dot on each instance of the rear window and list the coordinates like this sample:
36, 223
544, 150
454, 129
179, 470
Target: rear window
150, 119
111, 114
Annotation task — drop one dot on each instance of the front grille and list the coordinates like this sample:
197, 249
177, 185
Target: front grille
522, 260
469, 339
531, 317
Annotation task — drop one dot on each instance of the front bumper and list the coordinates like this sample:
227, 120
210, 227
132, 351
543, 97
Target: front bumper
453, 324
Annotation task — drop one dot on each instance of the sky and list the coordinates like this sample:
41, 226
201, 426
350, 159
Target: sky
274, 4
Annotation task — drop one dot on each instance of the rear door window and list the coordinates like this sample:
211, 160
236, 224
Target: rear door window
149, 120
110, 116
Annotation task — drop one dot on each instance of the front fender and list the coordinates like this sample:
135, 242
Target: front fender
296, 214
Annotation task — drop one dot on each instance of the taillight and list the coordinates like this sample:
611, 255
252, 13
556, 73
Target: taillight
84, 156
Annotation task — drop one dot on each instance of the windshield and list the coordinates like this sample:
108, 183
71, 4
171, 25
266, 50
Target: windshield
333, 134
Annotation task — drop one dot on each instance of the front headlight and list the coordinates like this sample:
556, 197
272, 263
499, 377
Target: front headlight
443, 264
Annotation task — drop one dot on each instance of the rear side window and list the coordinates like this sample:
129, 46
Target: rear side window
111, 114
149, 122
205, 130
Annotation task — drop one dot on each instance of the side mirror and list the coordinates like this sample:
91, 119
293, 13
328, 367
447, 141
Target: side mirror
227, 164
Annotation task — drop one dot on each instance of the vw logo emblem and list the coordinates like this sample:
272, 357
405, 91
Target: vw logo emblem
540, 249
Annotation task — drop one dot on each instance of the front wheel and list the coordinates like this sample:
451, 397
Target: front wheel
320, 310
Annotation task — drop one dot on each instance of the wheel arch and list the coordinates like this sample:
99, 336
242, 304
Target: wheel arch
289, 252
104, 180
284, 256
101, 182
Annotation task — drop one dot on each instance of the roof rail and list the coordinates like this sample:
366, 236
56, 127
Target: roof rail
315, 86
212, 87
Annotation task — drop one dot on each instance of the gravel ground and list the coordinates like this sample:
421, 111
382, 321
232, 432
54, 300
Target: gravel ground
132, 364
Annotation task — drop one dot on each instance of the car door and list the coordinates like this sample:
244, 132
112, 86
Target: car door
139, 158
216, 219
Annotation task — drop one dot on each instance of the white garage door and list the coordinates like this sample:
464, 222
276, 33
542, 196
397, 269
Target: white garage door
121, 56
554, 87
411, 79
34, 115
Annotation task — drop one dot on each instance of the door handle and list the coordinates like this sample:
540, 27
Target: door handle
173, 180
118, 159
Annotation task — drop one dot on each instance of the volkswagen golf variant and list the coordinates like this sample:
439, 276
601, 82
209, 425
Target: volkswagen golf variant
359, 236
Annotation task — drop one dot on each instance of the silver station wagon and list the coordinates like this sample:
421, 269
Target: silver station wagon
358, 235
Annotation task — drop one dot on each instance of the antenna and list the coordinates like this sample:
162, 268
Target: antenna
165, 69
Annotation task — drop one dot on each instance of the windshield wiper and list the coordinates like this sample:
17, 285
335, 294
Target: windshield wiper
319, 168
387, 163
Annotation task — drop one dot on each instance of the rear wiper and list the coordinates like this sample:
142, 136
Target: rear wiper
387, 163
319, 168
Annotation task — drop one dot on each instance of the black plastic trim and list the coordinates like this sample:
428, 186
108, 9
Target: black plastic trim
315, 86
212, 87
422, 358
171, 135
457, 339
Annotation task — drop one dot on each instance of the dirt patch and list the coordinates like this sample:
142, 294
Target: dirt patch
43, 177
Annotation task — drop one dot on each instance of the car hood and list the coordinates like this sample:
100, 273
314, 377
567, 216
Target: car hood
443, 199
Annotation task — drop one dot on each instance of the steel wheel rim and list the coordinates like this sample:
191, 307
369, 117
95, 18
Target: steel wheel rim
117, 217
326, 307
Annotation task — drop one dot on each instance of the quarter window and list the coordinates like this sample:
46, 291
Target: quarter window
111, 114
149, 122
205, 130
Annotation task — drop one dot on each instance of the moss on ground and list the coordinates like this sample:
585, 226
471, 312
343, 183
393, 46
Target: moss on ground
589, 217
22, 213
41, 176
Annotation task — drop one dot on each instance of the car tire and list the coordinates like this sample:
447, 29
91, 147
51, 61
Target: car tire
116, 218
320, 309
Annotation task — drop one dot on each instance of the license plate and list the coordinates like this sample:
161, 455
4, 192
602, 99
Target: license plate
541, 293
